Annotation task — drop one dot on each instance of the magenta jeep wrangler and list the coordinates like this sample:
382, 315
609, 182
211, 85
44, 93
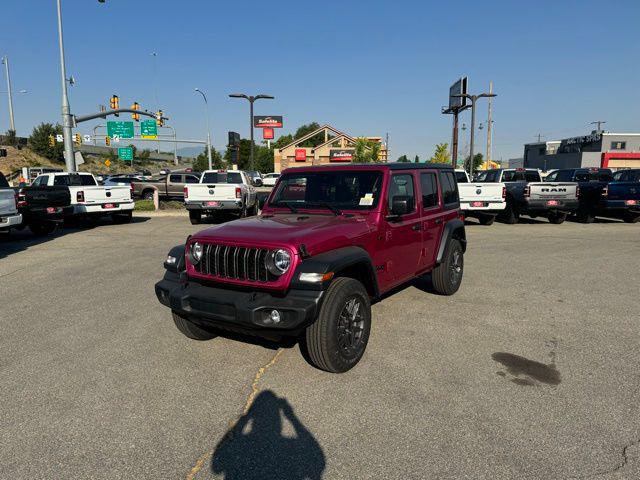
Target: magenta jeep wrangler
330, 240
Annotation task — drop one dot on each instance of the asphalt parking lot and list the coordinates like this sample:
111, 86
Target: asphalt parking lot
532, 370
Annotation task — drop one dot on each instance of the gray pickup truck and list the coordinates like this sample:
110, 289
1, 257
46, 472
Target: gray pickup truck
9, 216
169, 186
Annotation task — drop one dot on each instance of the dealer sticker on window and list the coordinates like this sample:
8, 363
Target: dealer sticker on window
367, 199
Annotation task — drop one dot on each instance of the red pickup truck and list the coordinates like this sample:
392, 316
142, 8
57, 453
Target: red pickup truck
330, 241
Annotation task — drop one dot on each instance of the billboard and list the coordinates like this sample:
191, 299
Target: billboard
301, 155
267, 121
267, 133
458, 88
341, 154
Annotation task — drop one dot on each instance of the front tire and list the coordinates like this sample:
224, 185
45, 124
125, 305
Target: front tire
195, 217
190, 329
447, 277
336, 341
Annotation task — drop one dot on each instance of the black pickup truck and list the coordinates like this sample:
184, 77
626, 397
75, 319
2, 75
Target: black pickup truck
603, 193
44, 207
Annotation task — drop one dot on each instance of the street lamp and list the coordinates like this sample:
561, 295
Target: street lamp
206, 112
473, 99
251, 99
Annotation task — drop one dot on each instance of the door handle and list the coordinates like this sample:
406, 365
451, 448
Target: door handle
416, 227
438, 221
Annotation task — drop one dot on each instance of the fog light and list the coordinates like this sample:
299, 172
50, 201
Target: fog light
275, 316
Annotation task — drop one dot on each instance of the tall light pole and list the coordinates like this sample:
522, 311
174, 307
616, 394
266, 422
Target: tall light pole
473, 99
155, 84
12, 124
67, 121
251, 99
206, 112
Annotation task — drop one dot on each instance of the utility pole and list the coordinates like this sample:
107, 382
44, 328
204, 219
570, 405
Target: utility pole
489, 125
599, 124
539, 138
250, 99
67, 121
12, 124
206, 111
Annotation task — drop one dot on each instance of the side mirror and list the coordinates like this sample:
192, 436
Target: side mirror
257, 182
401, 205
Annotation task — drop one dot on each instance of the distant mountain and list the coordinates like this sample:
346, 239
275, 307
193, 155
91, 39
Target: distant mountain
190, 151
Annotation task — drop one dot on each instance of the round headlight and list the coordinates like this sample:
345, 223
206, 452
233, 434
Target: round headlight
196, 252
278, 261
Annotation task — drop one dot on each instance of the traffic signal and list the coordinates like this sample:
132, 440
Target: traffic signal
52, 141
114, 103
135, 116
107, 140
77, 139
159, 119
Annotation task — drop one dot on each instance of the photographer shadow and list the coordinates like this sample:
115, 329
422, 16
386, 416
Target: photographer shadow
256, 447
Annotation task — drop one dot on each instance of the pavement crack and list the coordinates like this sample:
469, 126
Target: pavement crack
623, 463
247, 405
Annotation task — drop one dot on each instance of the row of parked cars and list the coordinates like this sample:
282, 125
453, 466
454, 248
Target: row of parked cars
585, 193
53, 198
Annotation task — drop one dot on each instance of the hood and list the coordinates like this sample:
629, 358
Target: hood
318, 232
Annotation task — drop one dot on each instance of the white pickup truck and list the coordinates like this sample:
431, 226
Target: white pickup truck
89, 199
9, 216
480, 200
220, 191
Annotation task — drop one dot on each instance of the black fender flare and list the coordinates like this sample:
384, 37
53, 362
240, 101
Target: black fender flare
176, 252
336, 261
452, 229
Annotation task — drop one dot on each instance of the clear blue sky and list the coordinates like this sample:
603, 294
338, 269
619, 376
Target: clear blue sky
366, 67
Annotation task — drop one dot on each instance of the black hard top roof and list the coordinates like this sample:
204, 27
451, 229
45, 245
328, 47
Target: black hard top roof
389, 165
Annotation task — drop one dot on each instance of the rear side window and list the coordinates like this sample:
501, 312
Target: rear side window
429, 190
175, 178
509, 176
461, 177
449, 188
402, 186
3, 182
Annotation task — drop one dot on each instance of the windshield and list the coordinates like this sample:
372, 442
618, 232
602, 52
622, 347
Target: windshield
344, 189
222, 177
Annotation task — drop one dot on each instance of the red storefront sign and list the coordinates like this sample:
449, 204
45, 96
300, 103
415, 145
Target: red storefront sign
267, 133
301, 155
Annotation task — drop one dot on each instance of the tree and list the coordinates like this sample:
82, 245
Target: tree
201, 163
144, 154
403, 159
366, 151
441, 155
39, 142
477, 161
10, 138
417, 159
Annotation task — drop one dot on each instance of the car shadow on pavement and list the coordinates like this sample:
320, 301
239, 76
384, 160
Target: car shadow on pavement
259, 446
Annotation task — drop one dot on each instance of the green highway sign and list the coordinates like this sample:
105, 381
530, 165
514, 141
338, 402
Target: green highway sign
126, 154
148, 129
120, 129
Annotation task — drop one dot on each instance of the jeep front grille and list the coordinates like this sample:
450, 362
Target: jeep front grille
236, 263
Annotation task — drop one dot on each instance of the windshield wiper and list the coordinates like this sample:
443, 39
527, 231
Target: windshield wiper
334, 210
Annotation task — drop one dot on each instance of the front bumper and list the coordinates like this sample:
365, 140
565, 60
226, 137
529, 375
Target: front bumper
221, 205
10, 221
238, 310
102, 210
542, 205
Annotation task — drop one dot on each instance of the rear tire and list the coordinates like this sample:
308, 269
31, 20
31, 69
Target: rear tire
631, 218
195, 217
447, 277
510, 216
585, 216
190, 329
486, 219
42, 229
336, 341
557, 218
